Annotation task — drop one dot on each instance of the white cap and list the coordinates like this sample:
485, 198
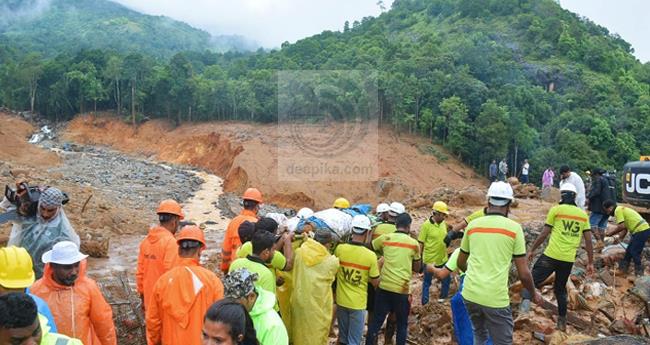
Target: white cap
500, 193
360, 224
396, 208
63, 253
305, 213
568, 187
383, 207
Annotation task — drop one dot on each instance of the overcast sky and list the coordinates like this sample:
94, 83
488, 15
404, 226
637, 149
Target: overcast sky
271, 22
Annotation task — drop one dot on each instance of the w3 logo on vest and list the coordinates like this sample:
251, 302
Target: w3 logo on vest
571, 227
351, 276
637, 183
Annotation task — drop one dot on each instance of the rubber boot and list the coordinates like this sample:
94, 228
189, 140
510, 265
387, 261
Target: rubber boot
561, 323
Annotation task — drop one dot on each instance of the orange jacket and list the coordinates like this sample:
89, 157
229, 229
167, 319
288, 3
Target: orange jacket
80, 311
179, 301
231, 241
158, 254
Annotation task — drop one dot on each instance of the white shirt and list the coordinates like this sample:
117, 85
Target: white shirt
524, 169
576, 180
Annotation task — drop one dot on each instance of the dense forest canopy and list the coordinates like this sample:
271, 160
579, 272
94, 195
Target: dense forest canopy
54, 26
486, 79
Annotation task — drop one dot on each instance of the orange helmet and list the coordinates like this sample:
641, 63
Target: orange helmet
170, 206
191, 232
253, 194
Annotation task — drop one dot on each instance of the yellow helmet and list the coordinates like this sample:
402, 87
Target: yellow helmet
441, 207
341, 203
16, 271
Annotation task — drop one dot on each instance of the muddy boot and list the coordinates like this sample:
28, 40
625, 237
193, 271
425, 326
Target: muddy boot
623, 267
561, 323
524, 307
638, 271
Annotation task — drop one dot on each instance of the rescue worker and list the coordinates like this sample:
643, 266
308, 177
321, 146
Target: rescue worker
50, 226
280, 261
381, 212
16, 275
458, 230
240, 285
181, 296
312, 301
227, 322
20, 323
263, 252
158, 251
567, 224
401, 257
433, 249
388, 227
358, 268
629, 220
252, 199
460, 317
79, 308
341, 203
486, 252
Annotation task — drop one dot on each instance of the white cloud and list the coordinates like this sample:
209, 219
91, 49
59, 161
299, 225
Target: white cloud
628, 18
269, 22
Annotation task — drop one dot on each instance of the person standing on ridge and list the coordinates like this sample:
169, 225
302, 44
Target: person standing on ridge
503, 170
547, 178
252, 199
525, 170
158, 251
433, 248
493, 171
486, 253
567, 224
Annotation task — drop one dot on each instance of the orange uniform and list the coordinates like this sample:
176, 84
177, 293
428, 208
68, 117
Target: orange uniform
231, 241
179, 301
158, 254
80, 311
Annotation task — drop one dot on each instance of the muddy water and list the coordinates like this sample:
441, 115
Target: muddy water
200, 209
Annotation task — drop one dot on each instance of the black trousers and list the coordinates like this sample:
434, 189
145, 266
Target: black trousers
543, 269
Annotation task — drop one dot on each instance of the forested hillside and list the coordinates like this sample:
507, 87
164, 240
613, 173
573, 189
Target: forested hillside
487, 79
51, 27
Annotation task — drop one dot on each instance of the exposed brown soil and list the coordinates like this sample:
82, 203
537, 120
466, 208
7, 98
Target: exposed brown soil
245, 155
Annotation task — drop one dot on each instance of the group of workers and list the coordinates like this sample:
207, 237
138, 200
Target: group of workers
290, 287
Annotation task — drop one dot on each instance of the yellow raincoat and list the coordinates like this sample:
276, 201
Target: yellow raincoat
312, 301
283, 292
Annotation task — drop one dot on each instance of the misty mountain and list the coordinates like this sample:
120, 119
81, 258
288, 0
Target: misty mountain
54, 26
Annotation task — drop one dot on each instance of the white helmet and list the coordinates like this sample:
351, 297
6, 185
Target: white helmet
500, 193
383, 207
568, 187
360, 224
396, 208
305, 213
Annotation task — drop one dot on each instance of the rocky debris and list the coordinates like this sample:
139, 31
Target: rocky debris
616, 340
467, 197
550, 194
526, 191
140, 183
513, 181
